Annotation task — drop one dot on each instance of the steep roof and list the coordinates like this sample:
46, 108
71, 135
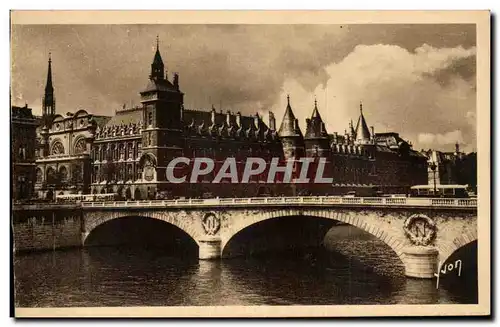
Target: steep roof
124, 117
159, 85
362, 130
48, 86
289, 124
315, 125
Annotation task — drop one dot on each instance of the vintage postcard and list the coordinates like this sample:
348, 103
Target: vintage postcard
250, 163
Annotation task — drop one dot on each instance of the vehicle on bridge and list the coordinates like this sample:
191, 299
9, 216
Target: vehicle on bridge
363, 191
441, 191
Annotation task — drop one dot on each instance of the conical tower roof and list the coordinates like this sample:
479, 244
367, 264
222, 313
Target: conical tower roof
315, 125
289, 124
362, 130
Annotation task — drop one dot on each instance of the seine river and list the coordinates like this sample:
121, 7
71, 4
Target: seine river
353, 269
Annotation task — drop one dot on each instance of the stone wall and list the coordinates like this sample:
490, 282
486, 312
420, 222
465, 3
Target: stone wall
33, 231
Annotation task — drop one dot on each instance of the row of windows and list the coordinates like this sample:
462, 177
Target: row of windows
116, 173
115, 152
61, 175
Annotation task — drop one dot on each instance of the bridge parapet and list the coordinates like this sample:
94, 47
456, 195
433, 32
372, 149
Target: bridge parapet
404, 224
448, 203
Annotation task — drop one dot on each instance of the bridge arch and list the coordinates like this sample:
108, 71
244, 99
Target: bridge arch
394, 241
96, 219
446, 250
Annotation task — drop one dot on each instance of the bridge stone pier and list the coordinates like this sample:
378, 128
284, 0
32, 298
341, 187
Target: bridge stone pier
422, 232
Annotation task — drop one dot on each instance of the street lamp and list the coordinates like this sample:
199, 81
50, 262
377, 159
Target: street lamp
433, 168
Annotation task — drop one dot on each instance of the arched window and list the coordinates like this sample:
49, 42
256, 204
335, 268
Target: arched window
57, 148
130, 174
39, 175
22, 153
137, 194
95, 175
63, 174
51, 176
131, 151
80, 146
122, 151
111, 153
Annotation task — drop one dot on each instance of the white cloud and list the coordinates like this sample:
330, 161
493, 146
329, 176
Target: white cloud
398, 91
441, 139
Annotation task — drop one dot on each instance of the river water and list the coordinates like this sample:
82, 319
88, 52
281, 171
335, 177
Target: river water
353, 268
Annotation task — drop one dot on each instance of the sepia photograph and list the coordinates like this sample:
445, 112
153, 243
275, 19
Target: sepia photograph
250, 164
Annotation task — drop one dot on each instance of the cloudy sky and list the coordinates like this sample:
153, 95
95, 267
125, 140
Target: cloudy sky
418, 80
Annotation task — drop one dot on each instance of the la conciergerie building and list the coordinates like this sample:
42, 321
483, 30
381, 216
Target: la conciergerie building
128, 153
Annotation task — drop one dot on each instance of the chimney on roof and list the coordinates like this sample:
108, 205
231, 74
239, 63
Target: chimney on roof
272, 121
176, 81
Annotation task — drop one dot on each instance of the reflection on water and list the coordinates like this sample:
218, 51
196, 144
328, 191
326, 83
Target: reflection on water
360, 271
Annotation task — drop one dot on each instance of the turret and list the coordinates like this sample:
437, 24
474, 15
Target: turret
316, 138
363, 136
272, 121
290, 134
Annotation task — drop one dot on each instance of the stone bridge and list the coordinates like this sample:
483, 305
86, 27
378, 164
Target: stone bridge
422, 232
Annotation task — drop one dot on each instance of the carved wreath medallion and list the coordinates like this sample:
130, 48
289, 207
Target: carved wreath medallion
420, 230
210, 223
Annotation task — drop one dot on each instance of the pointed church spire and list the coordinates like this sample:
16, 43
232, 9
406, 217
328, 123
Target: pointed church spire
48, 100
157, 67
48, 85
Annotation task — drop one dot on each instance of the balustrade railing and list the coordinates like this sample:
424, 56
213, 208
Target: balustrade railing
305, 200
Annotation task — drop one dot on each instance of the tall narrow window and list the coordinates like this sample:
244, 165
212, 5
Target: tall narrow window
150, 118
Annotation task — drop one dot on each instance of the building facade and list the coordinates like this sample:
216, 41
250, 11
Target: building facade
127, 154
63, 147
452, 167
23, 146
